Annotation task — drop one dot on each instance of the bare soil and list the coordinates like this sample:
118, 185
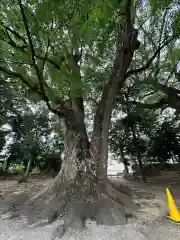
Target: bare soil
150, 224
10, 184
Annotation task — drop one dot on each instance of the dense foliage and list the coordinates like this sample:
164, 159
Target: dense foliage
66, 53
28, 132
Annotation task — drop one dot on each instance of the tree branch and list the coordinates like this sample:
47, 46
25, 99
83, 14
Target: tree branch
168, 90
14, 62
172, 100
38, 72
22, 48
17, 75
149, 62
46, 55
126, 44
16, 34
45, 58
156, 105
146, 33
57, 66
13, 44
61, 108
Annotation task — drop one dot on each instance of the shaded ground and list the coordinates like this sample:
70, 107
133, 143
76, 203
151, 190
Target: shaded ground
149, 225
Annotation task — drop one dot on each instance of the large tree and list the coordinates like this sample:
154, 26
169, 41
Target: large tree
68, 52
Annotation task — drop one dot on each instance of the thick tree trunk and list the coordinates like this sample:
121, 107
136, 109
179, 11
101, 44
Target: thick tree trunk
81, 189
77, 193
127, 43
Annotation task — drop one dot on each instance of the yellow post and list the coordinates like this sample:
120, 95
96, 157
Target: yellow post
174, 215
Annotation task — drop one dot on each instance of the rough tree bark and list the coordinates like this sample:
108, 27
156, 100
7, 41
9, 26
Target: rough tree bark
81, 189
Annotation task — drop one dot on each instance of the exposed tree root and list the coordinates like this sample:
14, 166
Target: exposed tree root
16, 197
122, 198
121, 188
23, 179
77, 201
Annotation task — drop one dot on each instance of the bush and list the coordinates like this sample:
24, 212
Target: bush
19, 168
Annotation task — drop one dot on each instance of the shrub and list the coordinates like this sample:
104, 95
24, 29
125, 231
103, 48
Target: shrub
19, 168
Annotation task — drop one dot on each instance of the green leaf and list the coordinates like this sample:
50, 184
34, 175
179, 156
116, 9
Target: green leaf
176, 24
4, 49
19, 84
94, 60
157, 5
174, 56
41, 11
154, 97
55, 75
33, 96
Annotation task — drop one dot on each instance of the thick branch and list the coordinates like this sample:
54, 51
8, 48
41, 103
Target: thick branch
39, 75
173, 96
62, 110
156, 105
172, 100
16, 34
45, 58
149, 62
168, 90
127, 43
27, 30
26, 82
128, 11
124, 53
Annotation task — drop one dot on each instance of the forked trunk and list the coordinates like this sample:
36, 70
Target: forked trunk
81, 189
77, 193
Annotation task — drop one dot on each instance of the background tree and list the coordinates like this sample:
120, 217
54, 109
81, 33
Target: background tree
118, 141
165, 143
27, 132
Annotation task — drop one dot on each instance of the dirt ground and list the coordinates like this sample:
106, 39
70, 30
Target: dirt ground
151, 223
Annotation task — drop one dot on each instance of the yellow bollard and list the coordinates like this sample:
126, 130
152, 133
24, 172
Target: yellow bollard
174, 214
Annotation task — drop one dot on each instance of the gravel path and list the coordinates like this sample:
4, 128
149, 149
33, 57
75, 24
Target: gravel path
145, 228
16, 230
134, 230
